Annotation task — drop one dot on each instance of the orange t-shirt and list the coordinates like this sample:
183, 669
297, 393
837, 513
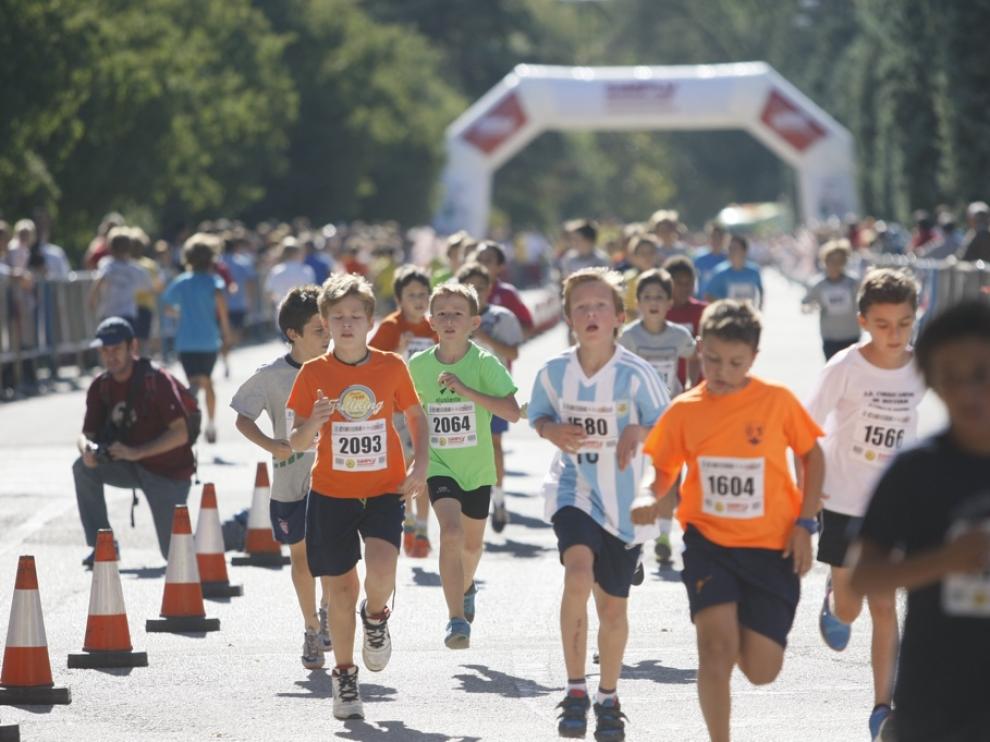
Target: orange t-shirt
738, 490
392, 327
358, 454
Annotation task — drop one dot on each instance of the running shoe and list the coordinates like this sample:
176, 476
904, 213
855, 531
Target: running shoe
421, 546
500, 517
609, 724
573, 719
835, 633
377, 649
661, 548
346, 694
325, 630
408, 536
313, 657
469, 602
458, 634
640, 574
211, 432
881, 723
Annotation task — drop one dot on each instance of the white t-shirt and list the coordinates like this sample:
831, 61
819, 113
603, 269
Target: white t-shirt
868, 414
286, 276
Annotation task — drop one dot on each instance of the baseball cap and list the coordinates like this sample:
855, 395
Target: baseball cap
112, 331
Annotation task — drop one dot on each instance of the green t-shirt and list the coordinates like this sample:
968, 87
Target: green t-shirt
460, 430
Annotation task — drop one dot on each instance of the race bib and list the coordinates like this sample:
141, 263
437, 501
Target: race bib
742, 291
360, 446
452, 425
664, 365
967, 595
879, 435
417, 344
600, 423
290, 421
731, 487
837, 301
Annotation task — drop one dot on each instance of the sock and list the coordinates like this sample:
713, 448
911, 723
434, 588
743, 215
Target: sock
665, 525
422, 525
577, 686
498, 496
604, 695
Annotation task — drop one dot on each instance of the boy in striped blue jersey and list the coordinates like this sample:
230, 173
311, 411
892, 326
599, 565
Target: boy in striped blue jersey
596, 403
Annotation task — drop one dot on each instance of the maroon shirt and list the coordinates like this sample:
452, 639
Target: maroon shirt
688, 315
151, 414
506, 296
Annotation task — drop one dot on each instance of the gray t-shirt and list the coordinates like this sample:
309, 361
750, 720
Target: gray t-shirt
267, 391
573, 261
661, 350
837, 300
501, 324
120, 281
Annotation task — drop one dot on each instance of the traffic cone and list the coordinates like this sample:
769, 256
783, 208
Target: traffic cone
209, 549
26, 677
108, 638
182, 601
261, 547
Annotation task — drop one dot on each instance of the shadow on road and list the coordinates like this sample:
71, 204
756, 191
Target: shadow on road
394, 731
516, 548
144, 573
317, 685
424, 578
668, 574
527, 521
653, 670
500, 683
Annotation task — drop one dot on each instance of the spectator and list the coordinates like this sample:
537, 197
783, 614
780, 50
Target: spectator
582, 235
29, 250
924, 236
976, 245
950, 242
316, 256
99, 246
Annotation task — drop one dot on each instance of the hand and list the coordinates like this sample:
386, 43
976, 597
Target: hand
565, 436
120, 452
89, 457
322, 409
281, 450
414, 483
628, 444
645, 510
450, 381
799, 546
969, 552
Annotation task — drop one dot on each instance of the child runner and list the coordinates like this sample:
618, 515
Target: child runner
267, 390
595, 402
709, 258
359, 477
747, 526
927, 529
867, 400
407, 331
736, 278
500, 333
461, 387
835, 295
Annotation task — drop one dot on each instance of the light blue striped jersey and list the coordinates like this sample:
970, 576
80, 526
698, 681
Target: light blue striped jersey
626, 391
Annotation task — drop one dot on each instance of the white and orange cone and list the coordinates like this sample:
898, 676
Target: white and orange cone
108, 637
182, 601
26, 677
260, 546
210, 556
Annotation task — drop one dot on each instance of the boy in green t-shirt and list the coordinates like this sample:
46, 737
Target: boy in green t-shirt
460, 386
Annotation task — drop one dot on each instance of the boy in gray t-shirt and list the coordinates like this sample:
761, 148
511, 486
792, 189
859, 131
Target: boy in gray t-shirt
835, 294
267, 391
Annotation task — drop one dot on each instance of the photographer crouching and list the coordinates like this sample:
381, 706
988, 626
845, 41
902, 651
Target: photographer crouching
136, 435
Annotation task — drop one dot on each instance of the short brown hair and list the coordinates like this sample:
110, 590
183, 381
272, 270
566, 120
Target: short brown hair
887, 286
339, 287
119, 241
473, 270
732, 321
464, 290
590, 275
297, 308
405, 275
680, 265
200, 251
657, 276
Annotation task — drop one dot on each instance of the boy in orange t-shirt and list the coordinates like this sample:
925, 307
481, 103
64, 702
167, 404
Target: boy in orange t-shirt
359, 478
407, 331
747, 526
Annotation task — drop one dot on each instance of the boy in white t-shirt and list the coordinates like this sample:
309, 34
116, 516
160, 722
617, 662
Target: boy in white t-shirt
835, 295
866, 399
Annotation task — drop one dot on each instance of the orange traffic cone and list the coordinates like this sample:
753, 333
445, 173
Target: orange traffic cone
26, 677
261, 548
182, 602
209, 549
108, 638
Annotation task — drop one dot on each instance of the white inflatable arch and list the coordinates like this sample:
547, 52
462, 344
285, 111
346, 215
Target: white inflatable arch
750, 96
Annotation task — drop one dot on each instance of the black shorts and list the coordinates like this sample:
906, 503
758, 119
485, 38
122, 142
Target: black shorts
838, 531
615, 560
236, 318
335, 527
759, 581
288, 520
831, 347
142, 324
197, 364
474, 503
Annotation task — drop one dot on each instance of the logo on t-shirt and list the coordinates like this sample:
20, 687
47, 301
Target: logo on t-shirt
357, 402
754, 433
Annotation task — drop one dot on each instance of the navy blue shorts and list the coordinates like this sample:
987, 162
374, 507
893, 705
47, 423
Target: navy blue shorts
288, 520
142, 324
236, 318
474, 503
499, 425
759, 581
197, 364
335, 527
615, 560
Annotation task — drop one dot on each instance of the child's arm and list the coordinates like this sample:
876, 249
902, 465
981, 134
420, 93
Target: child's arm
646, 509
419, 430
505, 407
568, 437
305, 429
880, 570
277, 447
630, 440
812, 474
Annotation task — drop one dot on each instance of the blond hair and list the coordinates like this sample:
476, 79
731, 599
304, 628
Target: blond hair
463, 290
339, 286
200, 251
835, 247
591, 275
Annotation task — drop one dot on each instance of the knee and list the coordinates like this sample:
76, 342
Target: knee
612, 613
718, 652
452, 537
883, 609
578, 580
345, 592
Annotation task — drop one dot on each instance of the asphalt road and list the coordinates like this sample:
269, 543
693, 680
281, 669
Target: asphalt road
245, 682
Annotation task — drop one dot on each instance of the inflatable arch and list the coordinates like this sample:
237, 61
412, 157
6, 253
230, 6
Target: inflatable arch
750, 96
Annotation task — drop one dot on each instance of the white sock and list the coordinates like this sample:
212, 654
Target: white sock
580, 686
601, 697
498, 496
665, 525
422, 525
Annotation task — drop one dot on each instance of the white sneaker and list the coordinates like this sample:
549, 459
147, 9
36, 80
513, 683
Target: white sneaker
313, 657
211, 432
377, 649
346, 694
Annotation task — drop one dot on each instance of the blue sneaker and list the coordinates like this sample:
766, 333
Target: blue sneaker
573, 719
469, 602
610, 726
881, 722
458, 634
835, 633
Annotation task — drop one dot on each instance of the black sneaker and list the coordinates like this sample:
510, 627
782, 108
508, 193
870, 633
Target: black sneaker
610, 726
639, 575
573, 719
91, 557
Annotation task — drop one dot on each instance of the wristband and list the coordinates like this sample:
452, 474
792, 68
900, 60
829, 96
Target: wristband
808, 524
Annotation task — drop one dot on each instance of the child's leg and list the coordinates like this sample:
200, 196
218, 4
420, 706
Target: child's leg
474, 545
344, 590
883, 612
613, 631
579, 579
846, 602
422, 508
302, 581
325, 592
379, 580
211, 398
499, 460
718, 650
448, 510
760, 657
